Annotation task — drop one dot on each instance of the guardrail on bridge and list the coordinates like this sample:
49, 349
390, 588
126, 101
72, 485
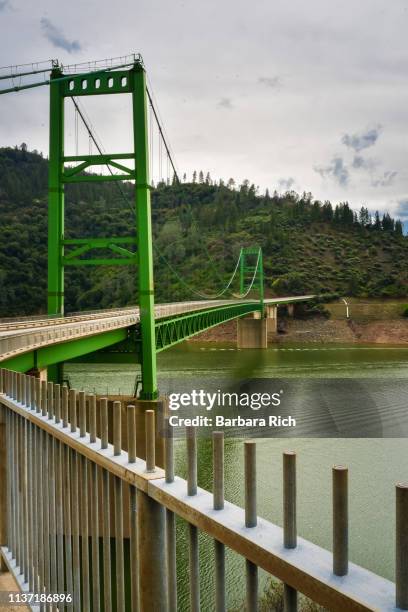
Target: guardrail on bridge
61, 479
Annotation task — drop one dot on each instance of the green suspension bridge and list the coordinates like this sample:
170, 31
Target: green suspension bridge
131, 334
87, 516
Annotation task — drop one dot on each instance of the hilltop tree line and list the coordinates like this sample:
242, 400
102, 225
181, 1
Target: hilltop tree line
305, 206
199, 226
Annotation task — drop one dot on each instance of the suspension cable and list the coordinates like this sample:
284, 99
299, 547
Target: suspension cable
162, 131
60, 79
92, 139
162, 135
99, 148
32, 64
76, 132
204, 296
161, 256
253, 278
22, 74
223, 291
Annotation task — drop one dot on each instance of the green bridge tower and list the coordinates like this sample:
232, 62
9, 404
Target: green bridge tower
136, 250
251, 271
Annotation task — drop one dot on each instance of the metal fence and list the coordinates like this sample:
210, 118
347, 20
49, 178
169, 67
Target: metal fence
79, 515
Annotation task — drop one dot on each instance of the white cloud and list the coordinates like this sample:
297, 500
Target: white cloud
343, 68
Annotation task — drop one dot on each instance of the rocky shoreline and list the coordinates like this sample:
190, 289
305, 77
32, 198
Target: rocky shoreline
320, 330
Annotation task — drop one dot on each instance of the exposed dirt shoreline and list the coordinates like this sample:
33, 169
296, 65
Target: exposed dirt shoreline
393, 331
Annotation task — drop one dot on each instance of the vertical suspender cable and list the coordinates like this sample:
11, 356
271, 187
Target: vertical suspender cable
160, 159
76, 132
151, 146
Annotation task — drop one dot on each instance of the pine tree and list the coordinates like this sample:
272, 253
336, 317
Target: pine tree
327, 211
387, 223
364, 217
398, 228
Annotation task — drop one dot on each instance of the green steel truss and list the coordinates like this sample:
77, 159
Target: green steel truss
126, 345
176, 329
130, 81
72, 174
84, 245
53, 354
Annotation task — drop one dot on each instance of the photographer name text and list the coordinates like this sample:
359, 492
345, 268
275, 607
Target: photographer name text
239, 421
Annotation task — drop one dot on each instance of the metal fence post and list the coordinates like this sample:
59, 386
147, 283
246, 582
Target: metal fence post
3, 484
170, 520
151, 543
401, 557
134, 561
340, 520
194, 553
289, 521
251, 521
218, 501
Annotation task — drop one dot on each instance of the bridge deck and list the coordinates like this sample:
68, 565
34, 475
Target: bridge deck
11, 326
20, 337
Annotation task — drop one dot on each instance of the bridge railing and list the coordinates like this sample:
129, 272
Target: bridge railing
44, 320
84, 517
60, 330
13, 344
50, 319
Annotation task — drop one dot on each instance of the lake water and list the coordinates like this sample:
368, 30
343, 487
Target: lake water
375, 463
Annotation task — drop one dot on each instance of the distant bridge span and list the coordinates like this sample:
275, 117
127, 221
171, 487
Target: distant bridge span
114, 335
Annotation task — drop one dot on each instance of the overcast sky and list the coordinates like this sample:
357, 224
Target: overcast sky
289, 94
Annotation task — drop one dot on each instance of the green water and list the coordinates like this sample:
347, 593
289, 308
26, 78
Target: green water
375, 464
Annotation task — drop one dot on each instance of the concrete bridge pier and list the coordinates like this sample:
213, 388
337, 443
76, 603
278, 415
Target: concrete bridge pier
272, 318
252, 333
41, 373
52, 373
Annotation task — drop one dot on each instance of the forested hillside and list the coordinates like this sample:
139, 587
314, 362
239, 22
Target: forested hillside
199, 227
